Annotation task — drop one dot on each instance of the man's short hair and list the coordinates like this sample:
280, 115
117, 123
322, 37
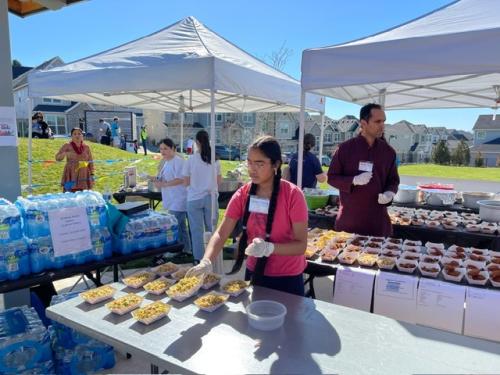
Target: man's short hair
101, 120
366, 111
115, 118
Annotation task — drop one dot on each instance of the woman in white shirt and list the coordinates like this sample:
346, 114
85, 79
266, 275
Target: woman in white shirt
201, 182
173, 192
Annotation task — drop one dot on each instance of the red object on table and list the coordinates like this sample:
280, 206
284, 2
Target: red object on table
435, 185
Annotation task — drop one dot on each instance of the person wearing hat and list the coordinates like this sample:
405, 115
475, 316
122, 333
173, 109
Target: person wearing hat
312, 171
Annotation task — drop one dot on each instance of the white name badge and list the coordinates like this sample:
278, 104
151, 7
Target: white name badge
366, 166
259, 205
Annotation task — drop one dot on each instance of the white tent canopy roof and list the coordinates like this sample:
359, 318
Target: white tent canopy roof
449, 58
185, 59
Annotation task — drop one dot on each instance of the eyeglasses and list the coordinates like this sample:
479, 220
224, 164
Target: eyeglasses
256, 164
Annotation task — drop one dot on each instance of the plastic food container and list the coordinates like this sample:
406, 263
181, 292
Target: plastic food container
138, 279
407, 266
125, 304
234, 287
266, 315
97, 295
211, 280
165, 269
159, 286
152, 312
211, 301
429, 269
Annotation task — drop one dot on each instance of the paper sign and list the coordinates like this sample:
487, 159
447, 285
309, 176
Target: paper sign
70, 230
354, 288
8, 126
396, 296
481, 313
440, 305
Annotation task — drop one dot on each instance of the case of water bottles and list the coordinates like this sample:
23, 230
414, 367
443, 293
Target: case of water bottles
147, 230
14, 260
41, 252
24, 343
10, 222
35, 210
76, 353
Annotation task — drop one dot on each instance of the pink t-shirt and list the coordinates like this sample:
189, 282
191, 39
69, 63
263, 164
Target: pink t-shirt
290, 208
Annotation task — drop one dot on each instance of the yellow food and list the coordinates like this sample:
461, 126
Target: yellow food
157, 285
124, 302
235, 286
367, 258
181, 273
386, 262
210, 300
167, 268
184, 285
138, 279
97, 293
211, 278
152, 310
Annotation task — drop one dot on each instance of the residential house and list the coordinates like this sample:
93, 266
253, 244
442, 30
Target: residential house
402, 137
486, 140
62, 115
331, 135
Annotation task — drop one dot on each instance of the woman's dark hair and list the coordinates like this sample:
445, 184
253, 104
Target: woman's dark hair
168, 142
309, 142
75, 129
270, 147
205, 150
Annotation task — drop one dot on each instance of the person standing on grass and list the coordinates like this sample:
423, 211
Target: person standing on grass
365, 172
173, 192
144, 139
115, 132
274, 218
78, 172
312, 171
202, 179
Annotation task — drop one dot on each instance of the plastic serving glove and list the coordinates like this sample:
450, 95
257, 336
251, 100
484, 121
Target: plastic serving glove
385, 197
204, 268
259, 248
362, 179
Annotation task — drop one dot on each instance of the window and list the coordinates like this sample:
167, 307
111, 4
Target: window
328, 137
480, 135
22, 127
57, 123
336, 137
52, 101
283, 130
247, 118
218, 117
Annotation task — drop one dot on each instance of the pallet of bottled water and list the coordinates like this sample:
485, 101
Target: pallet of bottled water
147, 230
14, 254
41, 252
74, 352
35, 210
24, 343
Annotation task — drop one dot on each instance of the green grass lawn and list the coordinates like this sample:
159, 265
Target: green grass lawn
463, 173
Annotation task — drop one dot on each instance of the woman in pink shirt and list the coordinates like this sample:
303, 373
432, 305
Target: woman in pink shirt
274, 217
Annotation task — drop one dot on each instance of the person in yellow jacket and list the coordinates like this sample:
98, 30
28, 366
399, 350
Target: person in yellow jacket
144, 139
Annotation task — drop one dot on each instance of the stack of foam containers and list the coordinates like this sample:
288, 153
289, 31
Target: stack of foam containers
75, 353
24, 343
147, 230
14, 255
35, 217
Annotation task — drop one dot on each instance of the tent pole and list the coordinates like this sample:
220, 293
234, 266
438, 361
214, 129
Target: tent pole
301, 138
30, 145
381, 97
181, 114
218, 263
322, 134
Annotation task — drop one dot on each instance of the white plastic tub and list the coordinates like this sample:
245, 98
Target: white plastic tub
266, 315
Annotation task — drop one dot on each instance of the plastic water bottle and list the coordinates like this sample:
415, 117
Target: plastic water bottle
107, 195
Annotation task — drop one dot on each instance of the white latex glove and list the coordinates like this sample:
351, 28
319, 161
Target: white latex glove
362, 179
259, 248
204, 268
385, 197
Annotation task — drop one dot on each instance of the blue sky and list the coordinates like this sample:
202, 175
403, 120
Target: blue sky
257, 26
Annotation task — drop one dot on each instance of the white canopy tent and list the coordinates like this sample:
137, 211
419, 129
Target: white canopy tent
184, 67
449, 58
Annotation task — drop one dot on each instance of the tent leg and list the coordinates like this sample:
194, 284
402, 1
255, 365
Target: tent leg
301, 138
181, 114
321, 137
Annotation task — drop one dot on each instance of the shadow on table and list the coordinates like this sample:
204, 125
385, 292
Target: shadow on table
143, 329
305, 331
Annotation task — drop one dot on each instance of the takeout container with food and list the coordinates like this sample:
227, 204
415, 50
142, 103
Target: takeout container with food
495, 278
235, 287
455, 274
367, 259
180, 273
429, 269
151, 312
211, 280
97, 295
185, 288
211, 301
165, 269
159, 286
407, 266
125, 304
476, 277
138, 279
347, 257
409, 255
386, 263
